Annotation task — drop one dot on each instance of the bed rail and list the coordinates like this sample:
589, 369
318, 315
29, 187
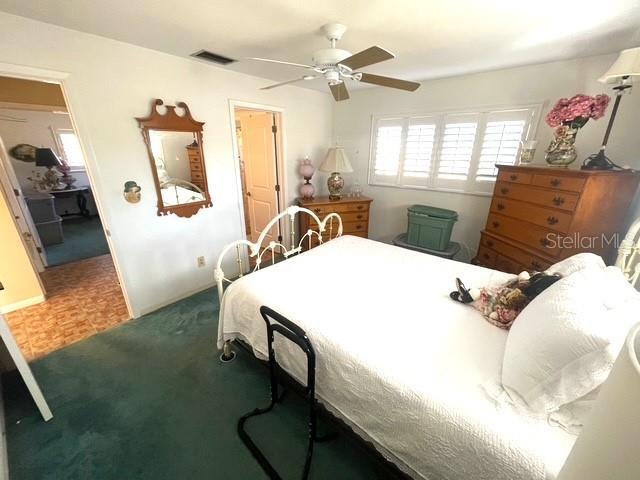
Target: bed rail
629, 255
330, 226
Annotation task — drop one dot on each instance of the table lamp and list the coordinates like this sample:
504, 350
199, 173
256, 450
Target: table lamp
623, 72
335, 163
607, 447
45, 157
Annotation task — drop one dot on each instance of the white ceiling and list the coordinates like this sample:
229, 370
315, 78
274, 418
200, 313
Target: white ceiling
431, 38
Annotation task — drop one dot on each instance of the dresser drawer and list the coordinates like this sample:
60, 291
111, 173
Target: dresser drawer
537, 238
544, 217
196, 176
505, 264
527, 260
347, 217
355, 227
559, 182
486, 256
547, 198
519, 177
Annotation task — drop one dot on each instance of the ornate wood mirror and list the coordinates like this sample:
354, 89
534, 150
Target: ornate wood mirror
174, 145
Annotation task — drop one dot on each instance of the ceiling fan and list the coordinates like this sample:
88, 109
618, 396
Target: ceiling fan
336, 65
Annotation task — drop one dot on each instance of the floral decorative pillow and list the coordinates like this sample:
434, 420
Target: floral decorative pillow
501, 305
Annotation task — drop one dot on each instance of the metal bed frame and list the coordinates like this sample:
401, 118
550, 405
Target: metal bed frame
259, 251
629, 255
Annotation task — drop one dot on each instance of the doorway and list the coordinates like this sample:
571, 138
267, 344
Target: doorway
47, 188
258, 138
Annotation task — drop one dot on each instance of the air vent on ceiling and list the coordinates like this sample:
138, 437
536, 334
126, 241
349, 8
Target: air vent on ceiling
213, 57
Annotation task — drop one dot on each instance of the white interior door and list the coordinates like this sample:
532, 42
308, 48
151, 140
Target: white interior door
259, 156
9, 183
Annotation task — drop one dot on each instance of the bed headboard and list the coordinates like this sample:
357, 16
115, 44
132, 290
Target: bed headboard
629, 254
330, 226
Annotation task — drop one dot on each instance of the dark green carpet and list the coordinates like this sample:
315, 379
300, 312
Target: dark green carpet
83, 238
150, 400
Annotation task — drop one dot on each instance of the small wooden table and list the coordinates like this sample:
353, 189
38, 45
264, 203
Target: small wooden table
80, 194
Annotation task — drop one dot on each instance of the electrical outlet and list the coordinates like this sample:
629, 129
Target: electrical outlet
201, 262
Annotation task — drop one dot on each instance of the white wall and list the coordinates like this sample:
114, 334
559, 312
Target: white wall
109, 84
535, 83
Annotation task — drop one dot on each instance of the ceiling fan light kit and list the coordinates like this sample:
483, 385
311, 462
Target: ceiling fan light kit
336, 65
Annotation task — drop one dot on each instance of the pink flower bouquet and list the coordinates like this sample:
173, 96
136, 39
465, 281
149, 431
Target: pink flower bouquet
575, 112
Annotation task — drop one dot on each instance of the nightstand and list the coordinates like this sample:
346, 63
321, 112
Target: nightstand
354, 212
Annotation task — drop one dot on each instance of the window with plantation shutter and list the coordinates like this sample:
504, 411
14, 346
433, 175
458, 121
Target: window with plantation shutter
501, 142
456, 147
387, 148
455, 151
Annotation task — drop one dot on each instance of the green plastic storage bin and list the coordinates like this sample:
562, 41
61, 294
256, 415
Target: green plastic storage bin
430, 227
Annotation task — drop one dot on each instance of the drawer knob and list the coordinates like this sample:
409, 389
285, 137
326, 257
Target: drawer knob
359, 217
500, 206
545, 242
360, 207
536, 265
358, 227
513, 178
552, 220
495, 224
317, 210
486, 256
504, 190
489, 243
558, 201
555, 182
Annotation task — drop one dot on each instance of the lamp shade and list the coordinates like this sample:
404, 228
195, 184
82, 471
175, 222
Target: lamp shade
607, 447
45, 157
336, 161
627, 65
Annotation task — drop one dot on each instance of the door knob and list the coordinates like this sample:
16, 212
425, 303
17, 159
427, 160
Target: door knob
248, 194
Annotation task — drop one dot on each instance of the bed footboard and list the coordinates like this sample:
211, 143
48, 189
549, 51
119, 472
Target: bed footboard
629, 255
247, 252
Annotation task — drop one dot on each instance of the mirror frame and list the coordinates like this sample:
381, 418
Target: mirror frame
170, 121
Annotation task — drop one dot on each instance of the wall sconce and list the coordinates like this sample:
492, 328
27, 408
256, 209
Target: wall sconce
132, 192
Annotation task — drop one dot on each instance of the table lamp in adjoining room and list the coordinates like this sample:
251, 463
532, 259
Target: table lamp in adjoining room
336, 162
607, 447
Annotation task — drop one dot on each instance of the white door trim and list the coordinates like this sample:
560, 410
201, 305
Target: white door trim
75, 115
281, 164
18, 206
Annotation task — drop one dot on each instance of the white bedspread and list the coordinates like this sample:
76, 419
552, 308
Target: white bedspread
398, 360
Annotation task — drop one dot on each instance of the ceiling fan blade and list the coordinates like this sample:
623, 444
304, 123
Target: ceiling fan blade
306, 77
389, 82
339, 91
280, 62
367, 57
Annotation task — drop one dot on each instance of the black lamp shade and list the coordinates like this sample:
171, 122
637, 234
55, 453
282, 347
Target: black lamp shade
45, 157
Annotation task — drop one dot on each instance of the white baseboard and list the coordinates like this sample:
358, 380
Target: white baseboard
22, 304
145, 311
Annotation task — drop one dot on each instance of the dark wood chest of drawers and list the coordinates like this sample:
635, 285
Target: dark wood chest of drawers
354, 212
539, 216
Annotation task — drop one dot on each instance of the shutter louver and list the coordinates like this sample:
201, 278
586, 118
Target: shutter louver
456, 150
387, 149
419, 150
500, 145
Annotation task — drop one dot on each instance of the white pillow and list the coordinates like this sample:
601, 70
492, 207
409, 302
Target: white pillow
575, 263
563, 344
